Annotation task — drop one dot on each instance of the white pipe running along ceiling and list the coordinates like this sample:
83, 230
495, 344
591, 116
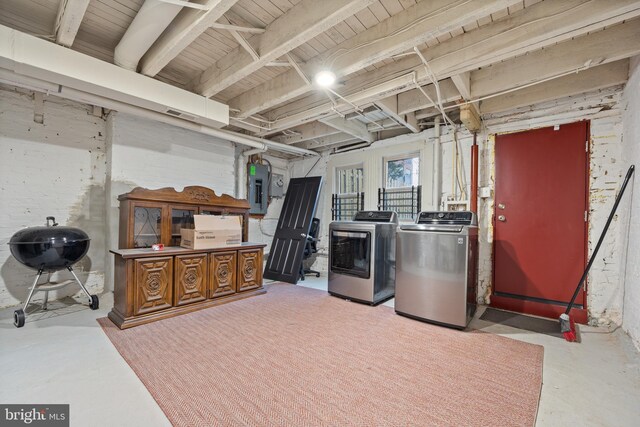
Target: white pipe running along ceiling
151, 20
27, 61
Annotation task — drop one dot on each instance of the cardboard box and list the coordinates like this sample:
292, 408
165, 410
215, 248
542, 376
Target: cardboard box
212, 231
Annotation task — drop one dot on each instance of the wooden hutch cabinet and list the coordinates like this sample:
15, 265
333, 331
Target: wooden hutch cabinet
156, 216
151, 285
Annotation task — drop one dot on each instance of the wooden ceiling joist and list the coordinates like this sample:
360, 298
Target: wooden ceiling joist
614, 43
70, 14
306, 132
541, 25
328, 141
599, 77
418, 24
301, 23
390, 107
185, 28
352, 127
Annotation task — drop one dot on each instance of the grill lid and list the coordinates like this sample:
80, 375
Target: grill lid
52, 234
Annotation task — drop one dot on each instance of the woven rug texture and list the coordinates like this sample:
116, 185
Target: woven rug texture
299, 357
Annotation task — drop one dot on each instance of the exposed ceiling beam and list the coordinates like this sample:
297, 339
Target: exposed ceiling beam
301, 23
242, 41
614, 43
352, 127
327, 141
363, 110
184, 29
231, 27
306, 132
413, 100
390, 107
343, 105
70, 14
384, 124
417, 24
540, 25
599, 77
462, 82
427, 113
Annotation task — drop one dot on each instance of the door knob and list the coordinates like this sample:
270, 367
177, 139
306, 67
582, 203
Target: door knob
502, 218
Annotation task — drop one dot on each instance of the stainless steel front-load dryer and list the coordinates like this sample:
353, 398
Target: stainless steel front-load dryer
362, 257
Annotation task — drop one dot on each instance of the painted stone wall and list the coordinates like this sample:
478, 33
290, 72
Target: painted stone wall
630, 207
54, 168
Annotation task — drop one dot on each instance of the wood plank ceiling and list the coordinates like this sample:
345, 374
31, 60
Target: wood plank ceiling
399, 62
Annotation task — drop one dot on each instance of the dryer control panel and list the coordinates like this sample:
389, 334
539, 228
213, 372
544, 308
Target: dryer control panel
376, 216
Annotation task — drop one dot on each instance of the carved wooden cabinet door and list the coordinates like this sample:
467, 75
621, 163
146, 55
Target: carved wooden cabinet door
222, 268
154, 284
249, 269
190, 279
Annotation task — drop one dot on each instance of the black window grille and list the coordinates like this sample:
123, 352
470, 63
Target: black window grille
344, 206
405, 201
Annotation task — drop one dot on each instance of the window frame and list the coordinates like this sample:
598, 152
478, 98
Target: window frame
402, 156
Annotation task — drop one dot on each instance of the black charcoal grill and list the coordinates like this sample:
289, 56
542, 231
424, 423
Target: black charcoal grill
48, 249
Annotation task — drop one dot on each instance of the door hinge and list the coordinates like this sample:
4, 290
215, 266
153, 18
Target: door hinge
586, 146
585, 216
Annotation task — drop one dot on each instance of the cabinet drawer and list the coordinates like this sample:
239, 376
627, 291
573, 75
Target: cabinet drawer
222, 271
249, 269
153, 284
190, 279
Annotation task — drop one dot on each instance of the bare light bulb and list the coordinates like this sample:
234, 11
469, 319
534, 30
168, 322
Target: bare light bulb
325, 78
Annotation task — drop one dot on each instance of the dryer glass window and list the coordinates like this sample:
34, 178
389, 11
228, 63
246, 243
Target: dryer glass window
351, 253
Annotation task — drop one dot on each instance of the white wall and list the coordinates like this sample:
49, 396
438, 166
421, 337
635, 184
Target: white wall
630, 207
52, 169
145, 153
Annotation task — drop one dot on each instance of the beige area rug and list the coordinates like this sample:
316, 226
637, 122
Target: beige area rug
299, 357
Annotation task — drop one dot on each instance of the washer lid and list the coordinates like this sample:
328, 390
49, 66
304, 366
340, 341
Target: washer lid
434, 228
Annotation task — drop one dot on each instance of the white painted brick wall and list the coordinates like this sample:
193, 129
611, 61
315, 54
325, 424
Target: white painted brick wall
145, 153
630, 206
56, 168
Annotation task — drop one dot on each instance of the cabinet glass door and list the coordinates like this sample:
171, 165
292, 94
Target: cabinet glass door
146, 226
180, 218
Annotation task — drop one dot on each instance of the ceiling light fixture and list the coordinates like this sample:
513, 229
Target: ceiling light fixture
325, 78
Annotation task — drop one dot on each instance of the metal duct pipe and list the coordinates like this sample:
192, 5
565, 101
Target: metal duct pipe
10, 77
474, 174
241, 171
437, 167
151, 20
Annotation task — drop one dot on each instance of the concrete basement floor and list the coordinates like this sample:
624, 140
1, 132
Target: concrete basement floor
64, 357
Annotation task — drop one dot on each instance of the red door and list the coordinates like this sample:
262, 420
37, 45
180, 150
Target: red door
540, 234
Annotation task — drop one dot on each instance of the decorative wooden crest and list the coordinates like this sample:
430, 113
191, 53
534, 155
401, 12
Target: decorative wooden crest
194, 195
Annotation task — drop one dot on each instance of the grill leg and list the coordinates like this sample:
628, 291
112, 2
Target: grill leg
80, 283
46, 300
33, 288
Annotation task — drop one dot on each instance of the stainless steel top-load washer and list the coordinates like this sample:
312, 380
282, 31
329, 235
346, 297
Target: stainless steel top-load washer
436, 268
362, 257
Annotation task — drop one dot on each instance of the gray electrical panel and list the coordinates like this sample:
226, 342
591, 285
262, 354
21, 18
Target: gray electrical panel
277, 185
258, 188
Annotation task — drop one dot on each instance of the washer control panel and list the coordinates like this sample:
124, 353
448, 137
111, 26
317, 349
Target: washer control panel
447, 217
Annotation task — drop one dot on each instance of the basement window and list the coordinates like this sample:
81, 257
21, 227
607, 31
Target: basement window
349, 196
401, 191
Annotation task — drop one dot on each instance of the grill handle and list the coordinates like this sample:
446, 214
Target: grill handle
53, 220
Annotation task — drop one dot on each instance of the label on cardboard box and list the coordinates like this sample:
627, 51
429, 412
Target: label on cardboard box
212, 231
